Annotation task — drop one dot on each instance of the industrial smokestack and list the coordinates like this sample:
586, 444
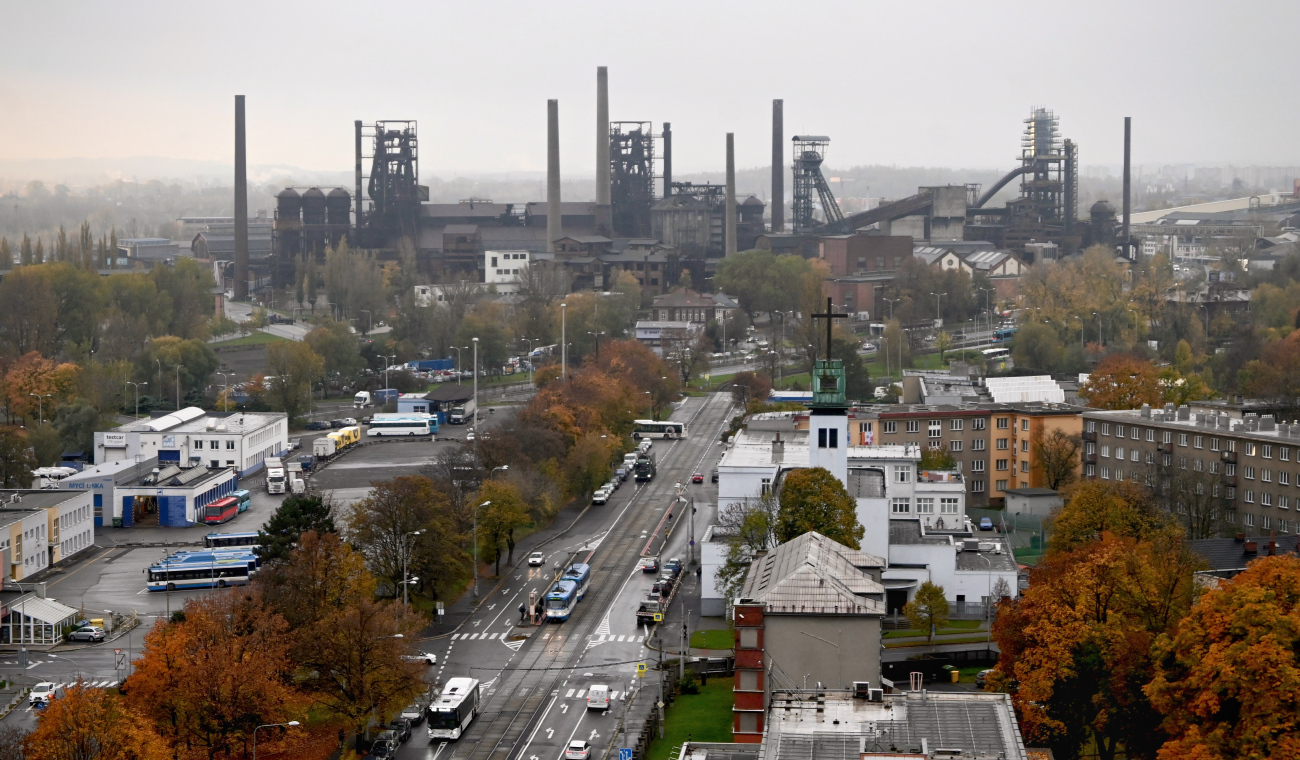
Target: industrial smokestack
731, 194
241, 203
1128, 200
553, 226
668, 159
778, 166
603, 192
357, 197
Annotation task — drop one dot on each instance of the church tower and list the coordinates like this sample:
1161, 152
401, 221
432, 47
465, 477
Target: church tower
828, 423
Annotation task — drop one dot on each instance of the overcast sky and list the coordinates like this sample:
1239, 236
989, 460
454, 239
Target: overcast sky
904, 83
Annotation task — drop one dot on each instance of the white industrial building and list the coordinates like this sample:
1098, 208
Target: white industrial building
237, 440
914, 518
502, 269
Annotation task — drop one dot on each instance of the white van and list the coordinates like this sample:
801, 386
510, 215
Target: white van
629, 460
598, 697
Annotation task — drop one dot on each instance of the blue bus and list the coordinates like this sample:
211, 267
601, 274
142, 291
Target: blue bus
1004, 333
579, 574
561, 600
201, 570
224, 540
244, 498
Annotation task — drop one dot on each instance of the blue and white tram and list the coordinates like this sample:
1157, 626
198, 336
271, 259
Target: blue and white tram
561, 600
580, 574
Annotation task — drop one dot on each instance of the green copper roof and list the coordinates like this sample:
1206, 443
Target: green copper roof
828, 384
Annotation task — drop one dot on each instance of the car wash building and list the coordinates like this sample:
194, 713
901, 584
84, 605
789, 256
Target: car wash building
170, 496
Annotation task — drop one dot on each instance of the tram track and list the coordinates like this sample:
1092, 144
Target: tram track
525, 688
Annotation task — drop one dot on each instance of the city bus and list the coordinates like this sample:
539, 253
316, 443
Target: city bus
221, 511
1004, 333
454, 709
189, 571
223, 540
244, 498
579, 573
561, 600
405, 423
652, 429
995, 354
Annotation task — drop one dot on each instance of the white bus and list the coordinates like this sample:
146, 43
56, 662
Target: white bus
652, 429
994, 354
403, 423
454, 709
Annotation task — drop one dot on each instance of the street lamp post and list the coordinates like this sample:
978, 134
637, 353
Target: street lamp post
225, 385
597, 334
891, 301
564, 346
459, 366
137, 396
938, 310
474, 429
179, 367
40, 406
267, 725
476, 509
386, 366
405, 553
530, 357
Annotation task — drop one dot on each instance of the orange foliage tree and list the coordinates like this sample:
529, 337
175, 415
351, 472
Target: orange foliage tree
89, 724
210, 679
33, 373
1228, 679
1122, 381
1078, 643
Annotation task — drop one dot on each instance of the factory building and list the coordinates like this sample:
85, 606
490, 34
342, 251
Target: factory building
191, 436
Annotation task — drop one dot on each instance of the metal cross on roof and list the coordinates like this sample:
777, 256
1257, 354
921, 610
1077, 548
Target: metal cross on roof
830, 316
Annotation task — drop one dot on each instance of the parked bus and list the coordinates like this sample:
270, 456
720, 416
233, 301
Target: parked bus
245, 499
223, 540
201, 570
993, 354
221, 511
652, 429
1004, 333
454, 709
405, 423
580, 574
561, 600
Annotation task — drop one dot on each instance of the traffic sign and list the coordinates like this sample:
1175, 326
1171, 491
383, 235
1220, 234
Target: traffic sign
120, 659
624, 753
640, 669
659, 617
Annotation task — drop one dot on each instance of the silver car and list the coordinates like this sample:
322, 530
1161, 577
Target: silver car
89, 633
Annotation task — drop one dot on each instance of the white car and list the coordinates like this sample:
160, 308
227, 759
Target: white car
577, 750
43, 692
349, 421
425, 657
600, 497
536, 559
469, 436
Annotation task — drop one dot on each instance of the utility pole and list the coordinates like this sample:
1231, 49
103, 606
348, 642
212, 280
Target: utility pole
474, 429
661, 687
681, 661
564, 346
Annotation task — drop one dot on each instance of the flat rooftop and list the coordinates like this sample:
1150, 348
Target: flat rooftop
1264, 429
29, 499
753, 448
174, 477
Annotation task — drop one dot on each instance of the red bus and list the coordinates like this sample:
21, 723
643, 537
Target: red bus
221, 510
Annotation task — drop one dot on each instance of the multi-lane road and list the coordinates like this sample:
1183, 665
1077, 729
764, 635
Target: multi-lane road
535, 678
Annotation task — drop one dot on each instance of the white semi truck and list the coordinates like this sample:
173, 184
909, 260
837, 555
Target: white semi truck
275, 475
462, 414
297, 484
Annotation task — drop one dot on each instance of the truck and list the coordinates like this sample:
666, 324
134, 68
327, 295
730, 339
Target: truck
275, 480
385, 395
432, 365
362, 399
645, 467
297, 484
323, 448
350, 435
462, 413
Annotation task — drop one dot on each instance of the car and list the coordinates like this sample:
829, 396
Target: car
365, 420
536, 559
316, 425
425, 657
413, 713
674, 565
577, 750
986, 523
598, 697
338, 423
868, 346
89, 633
349, 421
385, 745
981, 677
401, 727
601, 496
469, 436
621, 473
697, 478
714, 478
295, 444
43, 692
649, 564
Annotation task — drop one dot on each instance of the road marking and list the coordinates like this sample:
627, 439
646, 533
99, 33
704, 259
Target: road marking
34, 664
580, 693
492, 635
570, 694
515, 644
564, 708
622, 637
550, 732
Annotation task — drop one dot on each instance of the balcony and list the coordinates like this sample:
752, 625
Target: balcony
1090, 458
1090, 435
1229, 456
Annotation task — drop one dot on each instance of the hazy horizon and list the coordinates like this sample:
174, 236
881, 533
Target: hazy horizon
939, 85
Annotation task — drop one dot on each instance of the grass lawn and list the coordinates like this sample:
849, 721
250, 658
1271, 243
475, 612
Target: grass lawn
256, 339
714, 639
703, 717
962, 640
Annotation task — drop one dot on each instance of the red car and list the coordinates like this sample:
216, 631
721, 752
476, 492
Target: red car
697, 478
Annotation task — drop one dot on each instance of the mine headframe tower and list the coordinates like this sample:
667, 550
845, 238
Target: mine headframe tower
632, 177
393, 184
809, 151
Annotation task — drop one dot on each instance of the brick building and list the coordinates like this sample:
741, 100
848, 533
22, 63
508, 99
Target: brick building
862, 265
1217, 474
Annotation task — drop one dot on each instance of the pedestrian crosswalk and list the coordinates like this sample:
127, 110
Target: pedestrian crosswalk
599, 638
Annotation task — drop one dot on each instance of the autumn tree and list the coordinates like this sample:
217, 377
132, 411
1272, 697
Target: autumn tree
29, 314
1057, 453
91, 724
1095, 507
1037, 346
499, 520
1078, 643
1227, 678
322, 576
212, 678
812, 499
296, 515
381, 525
295, 367
17, 460
1275, 375
52, 383
928, 609
337, 347
1122, 381
749, 386
747, 526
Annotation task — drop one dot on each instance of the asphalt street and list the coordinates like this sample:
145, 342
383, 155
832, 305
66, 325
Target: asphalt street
535, 678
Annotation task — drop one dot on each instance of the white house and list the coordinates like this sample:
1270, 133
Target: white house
503, 268
239, 440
